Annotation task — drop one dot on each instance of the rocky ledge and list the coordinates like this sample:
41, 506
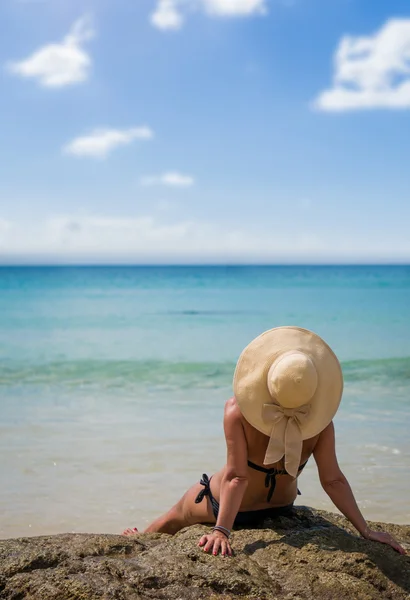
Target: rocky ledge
310, 555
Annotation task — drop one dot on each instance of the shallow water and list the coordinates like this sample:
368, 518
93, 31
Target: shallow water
113, 381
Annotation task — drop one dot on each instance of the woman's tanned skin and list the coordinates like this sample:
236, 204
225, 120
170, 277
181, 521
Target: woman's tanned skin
240, 488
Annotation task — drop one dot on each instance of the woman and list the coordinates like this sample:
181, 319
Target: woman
288, 385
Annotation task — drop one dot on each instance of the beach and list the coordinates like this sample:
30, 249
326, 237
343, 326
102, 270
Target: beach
113, 382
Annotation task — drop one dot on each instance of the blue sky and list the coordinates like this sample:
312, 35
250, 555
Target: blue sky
205, 131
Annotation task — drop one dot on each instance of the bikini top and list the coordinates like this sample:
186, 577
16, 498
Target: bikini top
270, 479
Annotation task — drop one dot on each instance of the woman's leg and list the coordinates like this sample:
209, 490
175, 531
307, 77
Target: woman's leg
184, 513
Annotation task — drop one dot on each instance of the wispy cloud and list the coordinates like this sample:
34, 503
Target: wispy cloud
171, 178
100, 142
144, 238
170, 14
167, 15
149, 239
371, 72
62, 64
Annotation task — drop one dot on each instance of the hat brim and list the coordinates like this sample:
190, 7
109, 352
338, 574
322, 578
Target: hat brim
250, 379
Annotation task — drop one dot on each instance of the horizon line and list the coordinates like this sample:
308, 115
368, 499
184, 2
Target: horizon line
204, 265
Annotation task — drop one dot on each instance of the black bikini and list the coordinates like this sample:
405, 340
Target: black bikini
251, 517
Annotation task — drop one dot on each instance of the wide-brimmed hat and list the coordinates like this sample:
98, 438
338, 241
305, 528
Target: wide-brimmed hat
288, 384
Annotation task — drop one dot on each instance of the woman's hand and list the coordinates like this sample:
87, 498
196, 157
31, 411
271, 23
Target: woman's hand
215, 542
383, 538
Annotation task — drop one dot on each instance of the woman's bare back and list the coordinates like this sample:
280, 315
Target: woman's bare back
255, 497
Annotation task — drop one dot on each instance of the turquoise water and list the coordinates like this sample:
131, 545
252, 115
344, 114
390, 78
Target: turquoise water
113, 380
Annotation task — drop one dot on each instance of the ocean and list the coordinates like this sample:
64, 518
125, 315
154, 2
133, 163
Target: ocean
113, 382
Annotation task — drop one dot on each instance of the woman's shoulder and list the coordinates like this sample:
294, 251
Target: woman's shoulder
232, 410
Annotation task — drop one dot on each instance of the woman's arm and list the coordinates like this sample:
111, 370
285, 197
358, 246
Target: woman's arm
234, 481
339, 491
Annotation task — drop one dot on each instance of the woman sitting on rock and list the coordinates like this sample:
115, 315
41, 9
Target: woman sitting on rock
288, 385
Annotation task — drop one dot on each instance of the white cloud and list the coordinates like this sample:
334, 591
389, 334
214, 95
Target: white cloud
172, 178
235, 8
170, 14
58, 65
371, 72
146, 239
100, 142
166, 15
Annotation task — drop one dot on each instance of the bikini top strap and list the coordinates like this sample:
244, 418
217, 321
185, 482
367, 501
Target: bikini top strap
270, 479
264, 470
272, 471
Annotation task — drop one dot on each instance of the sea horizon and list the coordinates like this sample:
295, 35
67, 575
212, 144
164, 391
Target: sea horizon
204, 264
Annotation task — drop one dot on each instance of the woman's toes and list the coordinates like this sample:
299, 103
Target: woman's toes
130, 531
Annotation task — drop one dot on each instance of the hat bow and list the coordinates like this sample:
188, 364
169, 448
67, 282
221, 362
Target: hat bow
286, 435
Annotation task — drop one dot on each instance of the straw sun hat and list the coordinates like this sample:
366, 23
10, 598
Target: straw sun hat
288, 384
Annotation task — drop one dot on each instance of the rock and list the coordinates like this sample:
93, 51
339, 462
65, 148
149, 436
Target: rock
313, 554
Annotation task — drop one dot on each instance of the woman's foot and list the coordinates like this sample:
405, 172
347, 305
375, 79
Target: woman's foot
130, 531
